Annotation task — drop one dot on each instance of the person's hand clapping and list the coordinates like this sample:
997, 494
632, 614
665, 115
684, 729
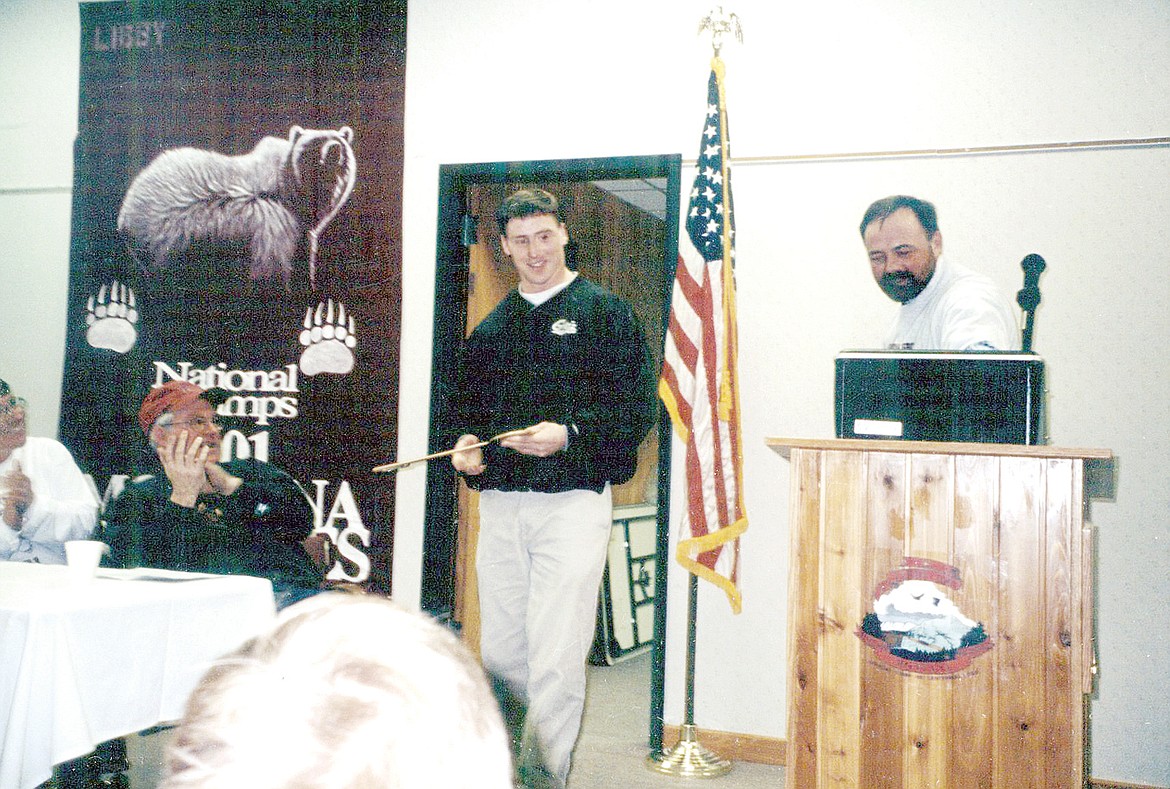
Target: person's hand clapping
18, 495
185, 463
220, 480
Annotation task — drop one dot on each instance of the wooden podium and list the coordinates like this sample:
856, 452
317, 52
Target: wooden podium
999, 530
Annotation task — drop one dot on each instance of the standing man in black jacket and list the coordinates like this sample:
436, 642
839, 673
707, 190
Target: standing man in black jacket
561, 365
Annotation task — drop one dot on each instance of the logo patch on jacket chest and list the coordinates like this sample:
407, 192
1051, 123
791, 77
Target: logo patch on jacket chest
564, 326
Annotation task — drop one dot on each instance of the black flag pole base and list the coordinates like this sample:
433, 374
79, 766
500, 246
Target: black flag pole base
688, 759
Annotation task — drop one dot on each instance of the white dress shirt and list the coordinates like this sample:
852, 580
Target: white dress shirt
64, 506
959, 310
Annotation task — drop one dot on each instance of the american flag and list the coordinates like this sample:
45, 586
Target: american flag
698, 383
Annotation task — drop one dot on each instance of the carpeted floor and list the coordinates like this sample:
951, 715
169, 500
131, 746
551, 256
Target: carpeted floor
611, 753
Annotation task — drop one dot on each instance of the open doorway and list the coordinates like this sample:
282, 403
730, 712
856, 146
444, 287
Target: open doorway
622, 216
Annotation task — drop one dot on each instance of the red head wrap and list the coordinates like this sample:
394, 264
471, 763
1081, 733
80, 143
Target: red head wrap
172, 394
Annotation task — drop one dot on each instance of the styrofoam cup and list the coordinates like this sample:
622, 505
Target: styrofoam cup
84, 556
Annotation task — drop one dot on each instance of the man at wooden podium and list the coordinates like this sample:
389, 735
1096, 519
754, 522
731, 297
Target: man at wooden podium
556, 392
945, 306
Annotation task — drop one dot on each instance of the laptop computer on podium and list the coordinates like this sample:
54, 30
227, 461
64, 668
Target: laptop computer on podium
972, 396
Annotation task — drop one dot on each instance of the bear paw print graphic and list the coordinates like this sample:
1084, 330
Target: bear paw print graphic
112, 317
329, 339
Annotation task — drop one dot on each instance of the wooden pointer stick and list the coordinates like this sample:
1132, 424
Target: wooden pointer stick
404, 463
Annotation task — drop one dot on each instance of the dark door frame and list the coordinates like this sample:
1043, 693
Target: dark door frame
437, 594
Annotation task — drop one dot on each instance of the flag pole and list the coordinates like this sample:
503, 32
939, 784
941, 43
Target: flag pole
708, 227
688, 758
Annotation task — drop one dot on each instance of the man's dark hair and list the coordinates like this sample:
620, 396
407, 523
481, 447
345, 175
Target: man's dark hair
527, 202
888, 205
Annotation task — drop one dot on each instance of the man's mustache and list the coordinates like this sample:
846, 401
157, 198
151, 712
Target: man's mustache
898, 278
901, 285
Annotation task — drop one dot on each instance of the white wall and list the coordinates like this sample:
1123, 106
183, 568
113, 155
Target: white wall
629, 78
38, 121
493, 80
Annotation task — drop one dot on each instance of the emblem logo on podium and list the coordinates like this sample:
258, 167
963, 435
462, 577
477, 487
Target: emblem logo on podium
915, 627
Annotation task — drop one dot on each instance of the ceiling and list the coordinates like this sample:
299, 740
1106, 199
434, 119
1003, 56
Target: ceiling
645, 194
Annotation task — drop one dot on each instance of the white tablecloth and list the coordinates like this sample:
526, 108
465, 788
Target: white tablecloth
81, 663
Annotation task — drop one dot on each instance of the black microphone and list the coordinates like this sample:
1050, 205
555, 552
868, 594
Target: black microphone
1029, 296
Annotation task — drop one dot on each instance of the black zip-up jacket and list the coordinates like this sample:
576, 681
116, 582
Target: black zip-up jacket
258, 530
580, 360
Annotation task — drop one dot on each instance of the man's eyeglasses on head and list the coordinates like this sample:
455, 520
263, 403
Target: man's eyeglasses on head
198, 423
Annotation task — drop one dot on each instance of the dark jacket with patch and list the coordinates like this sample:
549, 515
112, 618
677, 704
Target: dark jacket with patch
258, 530
579, 359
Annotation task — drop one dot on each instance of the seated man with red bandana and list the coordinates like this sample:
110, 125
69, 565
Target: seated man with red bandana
242, 517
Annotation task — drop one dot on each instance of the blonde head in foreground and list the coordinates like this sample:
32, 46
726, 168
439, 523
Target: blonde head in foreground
345, 692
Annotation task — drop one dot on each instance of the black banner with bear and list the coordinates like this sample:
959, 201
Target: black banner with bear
236, 223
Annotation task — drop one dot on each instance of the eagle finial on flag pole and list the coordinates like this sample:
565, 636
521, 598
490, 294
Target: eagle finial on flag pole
719, 23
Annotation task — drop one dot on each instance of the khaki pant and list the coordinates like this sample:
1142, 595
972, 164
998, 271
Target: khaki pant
540, 561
